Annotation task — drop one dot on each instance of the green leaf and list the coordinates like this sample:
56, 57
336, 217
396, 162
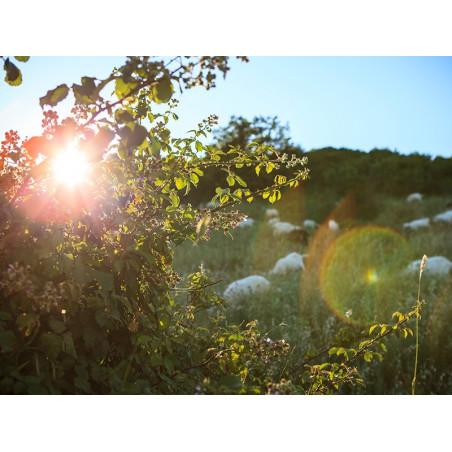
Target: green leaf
51, 344
372, 328
162, 91
7, 340
231, 180
180, 183
54, 96
81, 371
123, 89
144, 339
198, 146
155, 147
105, 279
82, 384
194, 178
68, 342
26, 323
57, 326
23, 59
231, 382
270, 167
134, 135
258, 168
13, 75
86, 93
332, 351
175, 200
123, 116
5, 315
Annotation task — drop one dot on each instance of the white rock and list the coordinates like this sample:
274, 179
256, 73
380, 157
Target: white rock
435, 265
310, 224
445, 216
292, 262
252, 285
271, 213
283, 228
416, 224
414, 197
333, 226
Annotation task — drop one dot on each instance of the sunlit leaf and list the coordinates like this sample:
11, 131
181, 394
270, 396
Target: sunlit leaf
123, 89
123, 116
86, 93
162, 91
54, 96
13, 75
372, 328
180, 183
175, 200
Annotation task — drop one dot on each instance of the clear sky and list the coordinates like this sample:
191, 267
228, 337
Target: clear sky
400, 103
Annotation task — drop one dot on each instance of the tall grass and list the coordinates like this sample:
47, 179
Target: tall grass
308, 312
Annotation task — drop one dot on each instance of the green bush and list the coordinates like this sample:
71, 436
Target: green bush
90, 300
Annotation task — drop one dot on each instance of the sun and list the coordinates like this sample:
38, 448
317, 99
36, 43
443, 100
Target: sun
70, 167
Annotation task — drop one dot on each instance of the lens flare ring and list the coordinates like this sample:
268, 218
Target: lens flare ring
358, 273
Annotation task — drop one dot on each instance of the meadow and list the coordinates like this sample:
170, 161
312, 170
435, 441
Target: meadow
352, 278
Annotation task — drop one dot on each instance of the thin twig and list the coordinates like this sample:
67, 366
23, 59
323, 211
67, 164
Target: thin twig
194, 289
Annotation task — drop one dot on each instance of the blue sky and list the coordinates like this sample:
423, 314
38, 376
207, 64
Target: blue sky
400, 103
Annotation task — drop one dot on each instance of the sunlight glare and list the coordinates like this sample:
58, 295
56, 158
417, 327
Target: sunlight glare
70, 167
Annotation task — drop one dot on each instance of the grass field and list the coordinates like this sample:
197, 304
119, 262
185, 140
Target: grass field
353, 278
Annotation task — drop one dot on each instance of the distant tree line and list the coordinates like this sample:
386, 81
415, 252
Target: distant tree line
331, 169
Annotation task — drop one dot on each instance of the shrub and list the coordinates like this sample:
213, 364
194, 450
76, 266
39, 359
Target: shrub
89, 295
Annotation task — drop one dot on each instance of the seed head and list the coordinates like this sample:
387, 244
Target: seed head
424, 261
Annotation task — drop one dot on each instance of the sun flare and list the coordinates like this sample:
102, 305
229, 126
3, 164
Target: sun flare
70, 167
372, 276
